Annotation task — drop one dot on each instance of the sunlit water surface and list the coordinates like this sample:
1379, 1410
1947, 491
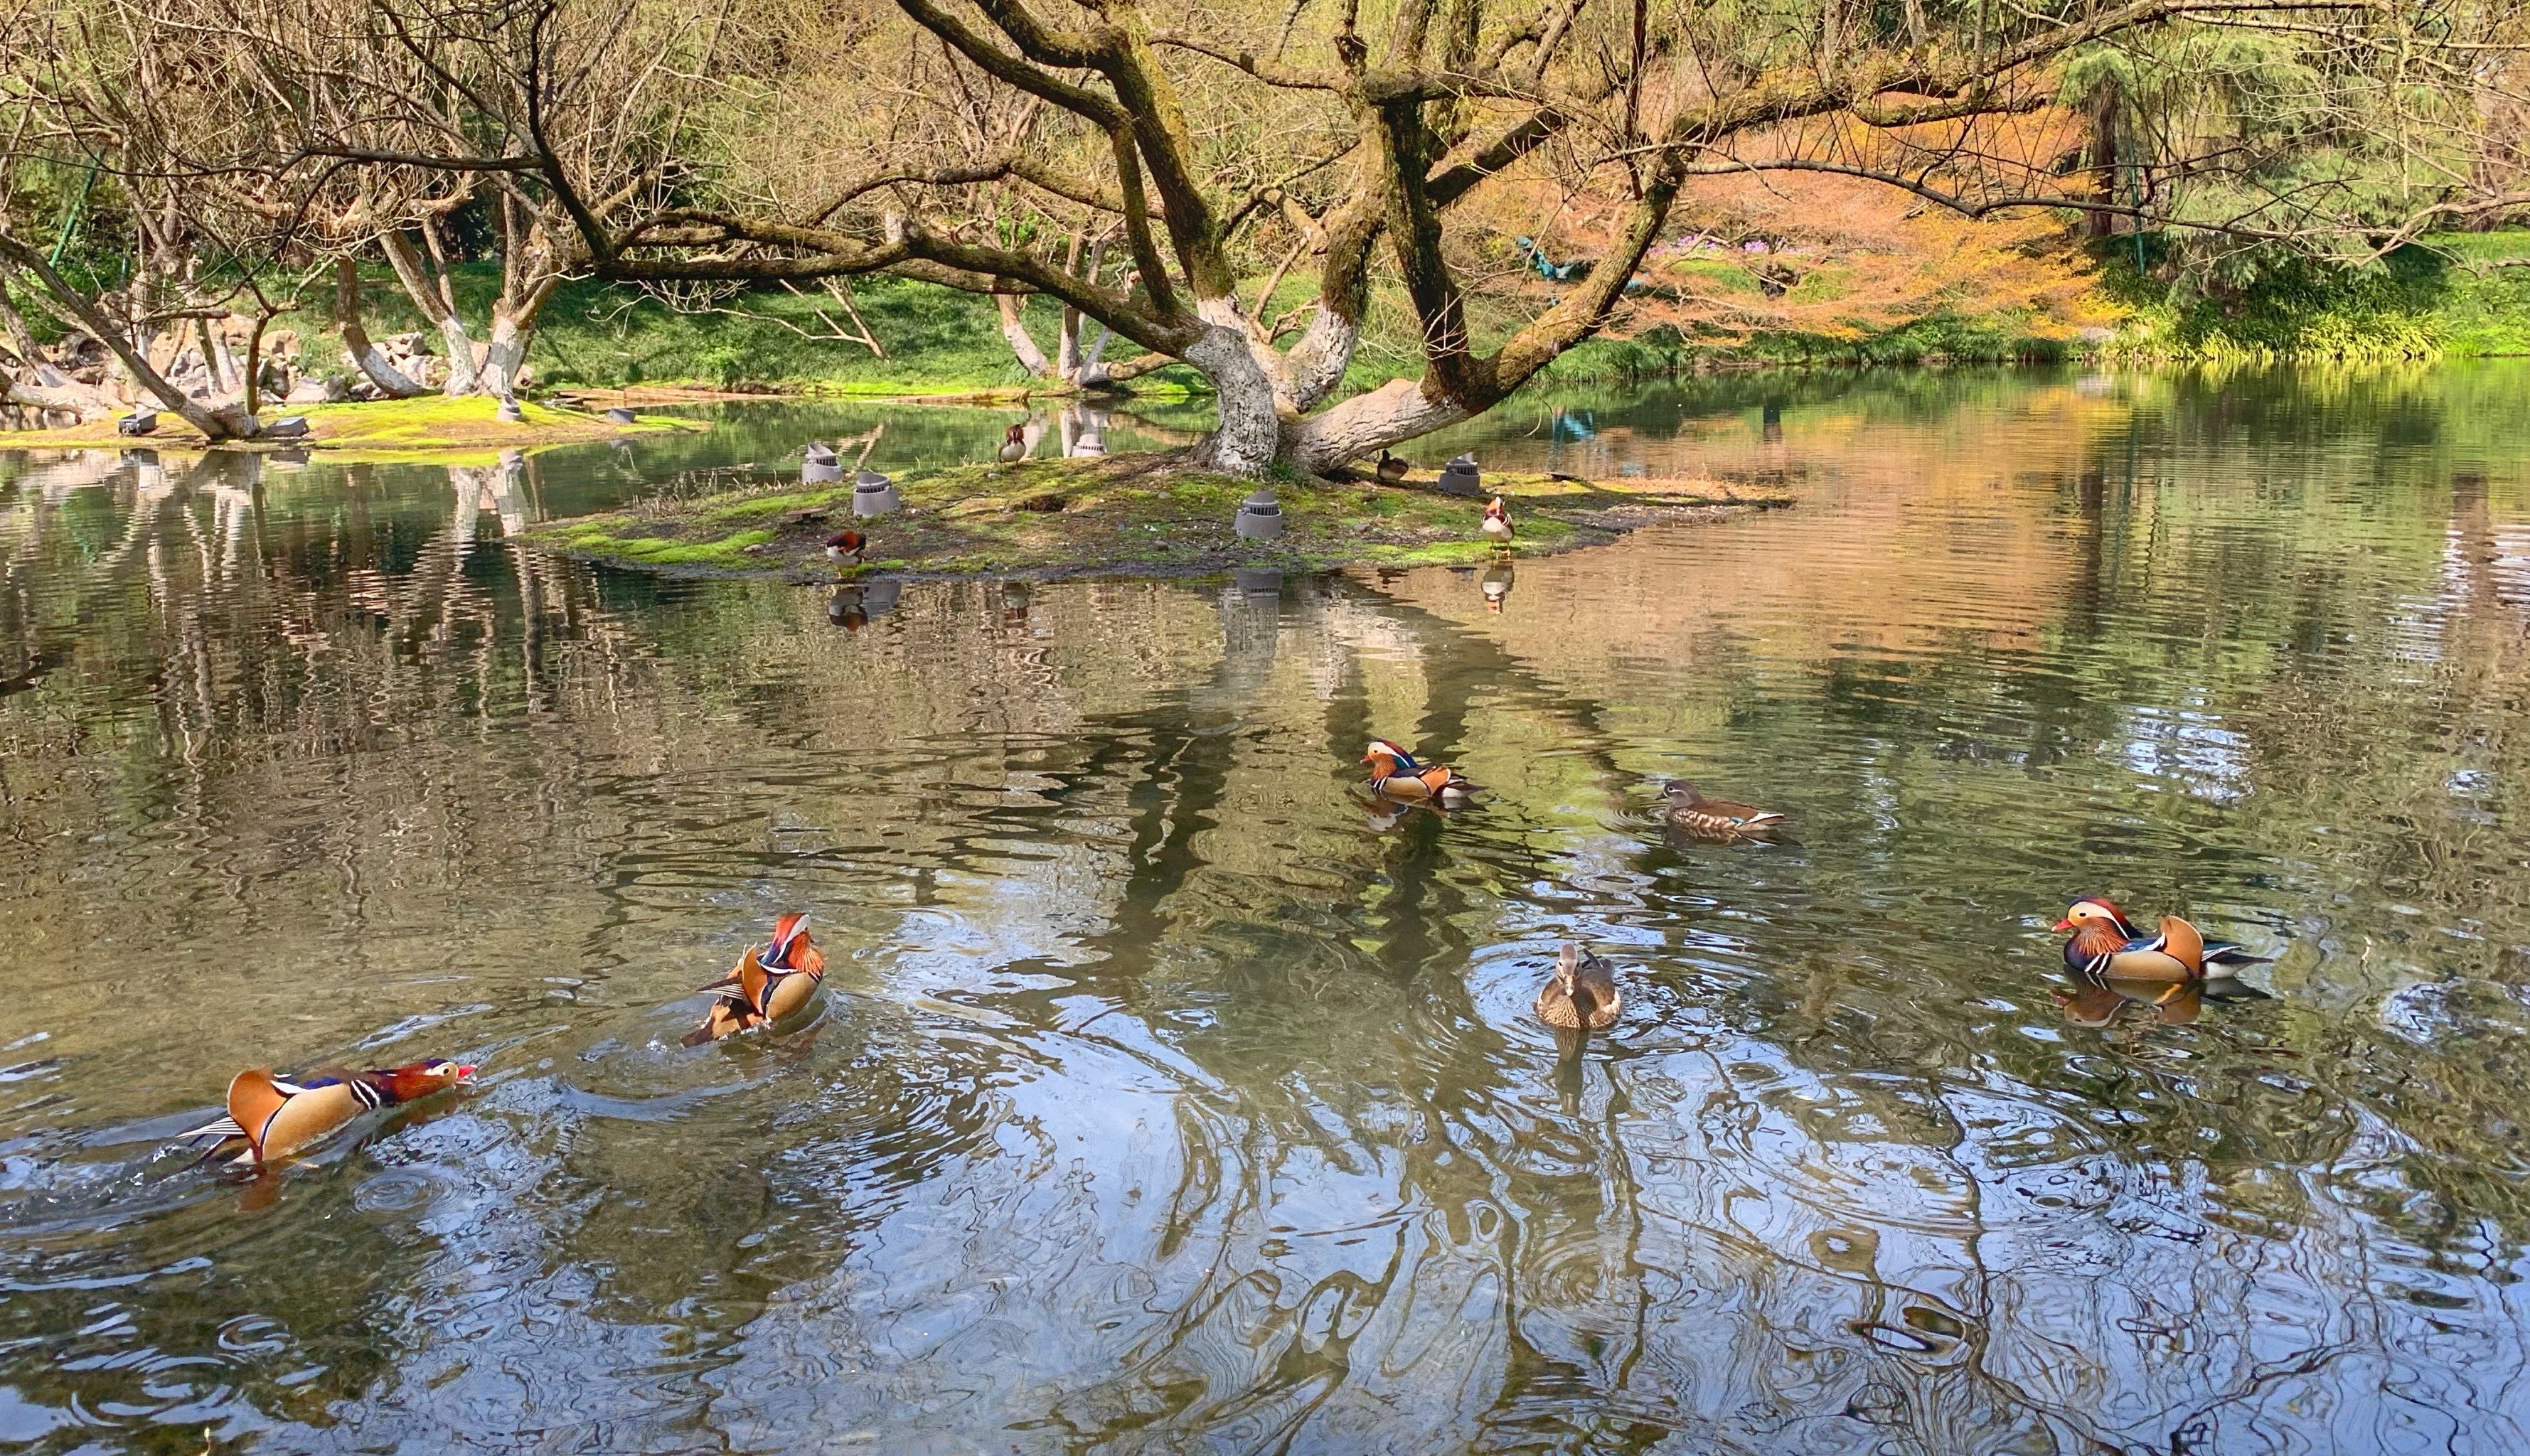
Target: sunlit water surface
1170, 1098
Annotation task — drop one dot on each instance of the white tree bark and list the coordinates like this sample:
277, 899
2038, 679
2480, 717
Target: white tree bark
1391, 414
501, 361
1092, 373
391, 381
1249, 430
1067, 346
435, 305
463, 377
1317, 363
77, 399
1015, 330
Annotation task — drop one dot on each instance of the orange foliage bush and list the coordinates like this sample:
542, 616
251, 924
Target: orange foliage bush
1838, 257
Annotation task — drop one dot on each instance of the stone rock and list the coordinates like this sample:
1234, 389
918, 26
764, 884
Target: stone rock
309, 392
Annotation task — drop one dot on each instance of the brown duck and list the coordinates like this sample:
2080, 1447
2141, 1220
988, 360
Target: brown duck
1720, 820
1582, 996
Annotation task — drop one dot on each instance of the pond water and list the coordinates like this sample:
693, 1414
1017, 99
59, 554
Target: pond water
1167, 1096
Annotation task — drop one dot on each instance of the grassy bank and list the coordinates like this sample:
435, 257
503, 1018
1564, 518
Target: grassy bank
2464, 295
1135, 514
597, 336
2460, 296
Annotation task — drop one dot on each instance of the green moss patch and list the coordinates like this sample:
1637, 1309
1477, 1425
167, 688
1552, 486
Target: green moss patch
1133, 514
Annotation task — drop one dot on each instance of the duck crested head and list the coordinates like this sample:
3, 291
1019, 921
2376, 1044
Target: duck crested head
2096, 911
422, 1078
1681, 791
791, 943
1382, 749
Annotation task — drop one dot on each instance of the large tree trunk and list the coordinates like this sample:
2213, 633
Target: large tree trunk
1391, 414
388, 380
1317, 363
79, 401
508, 351
1247, 436
528, 277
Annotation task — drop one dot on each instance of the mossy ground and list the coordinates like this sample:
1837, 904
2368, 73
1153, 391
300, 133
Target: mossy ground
1124, 515
427, 428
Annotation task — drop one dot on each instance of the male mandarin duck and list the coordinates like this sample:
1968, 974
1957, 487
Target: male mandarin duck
1497, 522
1582, 994
1013, 444
2106, 943
844, 544
1685, 806
771, 982
1394, 773
272, 1118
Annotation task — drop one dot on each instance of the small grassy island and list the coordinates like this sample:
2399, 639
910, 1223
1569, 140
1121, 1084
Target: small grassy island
431, 427
1140, 515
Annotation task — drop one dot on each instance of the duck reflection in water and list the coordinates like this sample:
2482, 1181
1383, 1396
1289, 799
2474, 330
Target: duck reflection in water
2098, 1002
851, 607
1383, 814
1496, 585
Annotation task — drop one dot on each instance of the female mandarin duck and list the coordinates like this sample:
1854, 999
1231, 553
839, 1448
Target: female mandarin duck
272, 1118
1390, 468
771, 982
2106, 943
1394, 773
1582, 996
1498, 523
1685, 806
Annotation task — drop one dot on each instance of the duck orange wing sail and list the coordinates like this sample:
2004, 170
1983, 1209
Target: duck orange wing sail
740, 1004
2183, 942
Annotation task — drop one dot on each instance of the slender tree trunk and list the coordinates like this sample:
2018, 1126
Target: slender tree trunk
255, 363
21, 339
437, 301
216, 422
2103, 159
1010, 306
529, 277
211, 357
373, 366
1066, 344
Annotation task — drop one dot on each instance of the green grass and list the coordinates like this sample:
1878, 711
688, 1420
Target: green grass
599, 335
2463, 296
2456, 295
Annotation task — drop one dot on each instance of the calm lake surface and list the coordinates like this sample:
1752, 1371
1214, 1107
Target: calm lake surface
1170, 1098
